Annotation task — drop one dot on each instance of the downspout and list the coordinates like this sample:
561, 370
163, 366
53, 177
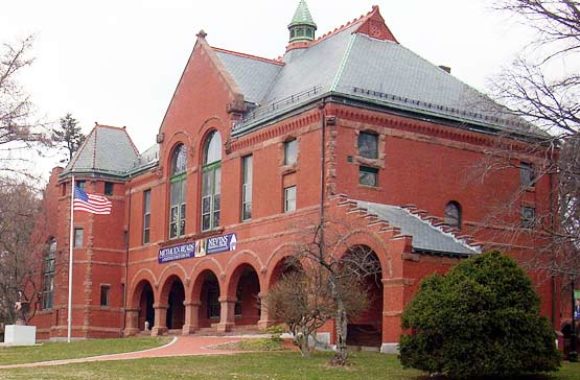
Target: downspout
322, 108
553, 286
127, 238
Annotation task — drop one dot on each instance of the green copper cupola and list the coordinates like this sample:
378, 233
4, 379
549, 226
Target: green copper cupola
302, 28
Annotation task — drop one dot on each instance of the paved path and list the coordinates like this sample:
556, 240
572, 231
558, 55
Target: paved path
179, 346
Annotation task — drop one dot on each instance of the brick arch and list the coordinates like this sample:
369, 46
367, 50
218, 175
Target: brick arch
171, 143
138, 279
364, 237
235, 273
208, 126
245, 256
175, 271
197, 276
280, 253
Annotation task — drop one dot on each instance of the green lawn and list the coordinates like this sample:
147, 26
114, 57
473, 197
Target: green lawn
76, 349
259, 366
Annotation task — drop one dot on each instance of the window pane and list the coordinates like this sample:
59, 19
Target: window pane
213, 149
205, 222
452, 215
216, 202
104, 296
173, 230
179, 161
206, 205
528, 217
147, 201
109, 188
173, 215
290, 152
78, 237
290, 199
526, 174
368, 145
217, 180
216, 219
368, 176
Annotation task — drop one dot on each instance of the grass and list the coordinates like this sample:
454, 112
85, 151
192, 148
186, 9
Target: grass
259, 366
76, 349
254, 345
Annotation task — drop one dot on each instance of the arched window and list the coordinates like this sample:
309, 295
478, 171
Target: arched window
177, 192
453, 214
48, 270
211, 182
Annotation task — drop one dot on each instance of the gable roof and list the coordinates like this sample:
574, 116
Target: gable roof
352, 62
106, 151
427, 237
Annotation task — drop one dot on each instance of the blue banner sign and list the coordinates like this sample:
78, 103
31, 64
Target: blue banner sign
222, 243
177, 252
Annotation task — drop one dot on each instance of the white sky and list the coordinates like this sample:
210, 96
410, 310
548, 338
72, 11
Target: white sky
118, 62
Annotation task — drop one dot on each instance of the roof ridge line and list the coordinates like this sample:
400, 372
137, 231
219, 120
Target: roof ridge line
342, 28
95, 148
250, 56
343, 62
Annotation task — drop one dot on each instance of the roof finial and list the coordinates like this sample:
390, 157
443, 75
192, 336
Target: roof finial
302, 27
201, 34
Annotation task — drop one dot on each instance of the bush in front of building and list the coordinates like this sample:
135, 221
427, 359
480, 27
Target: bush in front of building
481, 319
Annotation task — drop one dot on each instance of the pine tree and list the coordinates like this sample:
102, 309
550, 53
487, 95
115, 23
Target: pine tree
68, 136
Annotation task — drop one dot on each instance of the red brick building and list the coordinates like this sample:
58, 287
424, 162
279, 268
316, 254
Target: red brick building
249, 152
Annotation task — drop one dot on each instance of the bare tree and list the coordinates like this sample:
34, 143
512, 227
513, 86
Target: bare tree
18, 132
19, 260
303, 299
542, 86
339, 272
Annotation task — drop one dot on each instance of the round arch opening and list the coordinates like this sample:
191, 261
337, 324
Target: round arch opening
210, 308
366, 330
246, 288
145, 298
175, 317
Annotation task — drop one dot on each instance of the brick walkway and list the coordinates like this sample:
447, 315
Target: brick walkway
179, 346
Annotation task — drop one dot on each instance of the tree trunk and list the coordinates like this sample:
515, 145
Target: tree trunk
341, 330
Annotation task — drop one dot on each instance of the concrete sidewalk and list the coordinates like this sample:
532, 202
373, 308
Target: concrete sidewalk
179, 346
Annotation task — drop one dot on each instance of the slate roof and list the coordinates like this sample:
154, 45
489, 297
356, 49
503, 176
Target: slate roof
253, 75
362, 68
106, 151
426, 236
147, 159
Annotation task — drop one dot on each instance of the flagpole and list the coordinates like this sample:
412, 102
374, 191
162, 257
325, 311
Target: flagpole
70, 259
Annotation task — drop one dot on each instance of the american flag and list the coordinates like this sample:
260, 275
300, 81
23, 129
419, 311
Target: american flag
93, 203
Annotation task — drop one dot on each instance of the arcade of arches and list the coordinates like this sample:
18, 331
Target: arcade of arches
184, 306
